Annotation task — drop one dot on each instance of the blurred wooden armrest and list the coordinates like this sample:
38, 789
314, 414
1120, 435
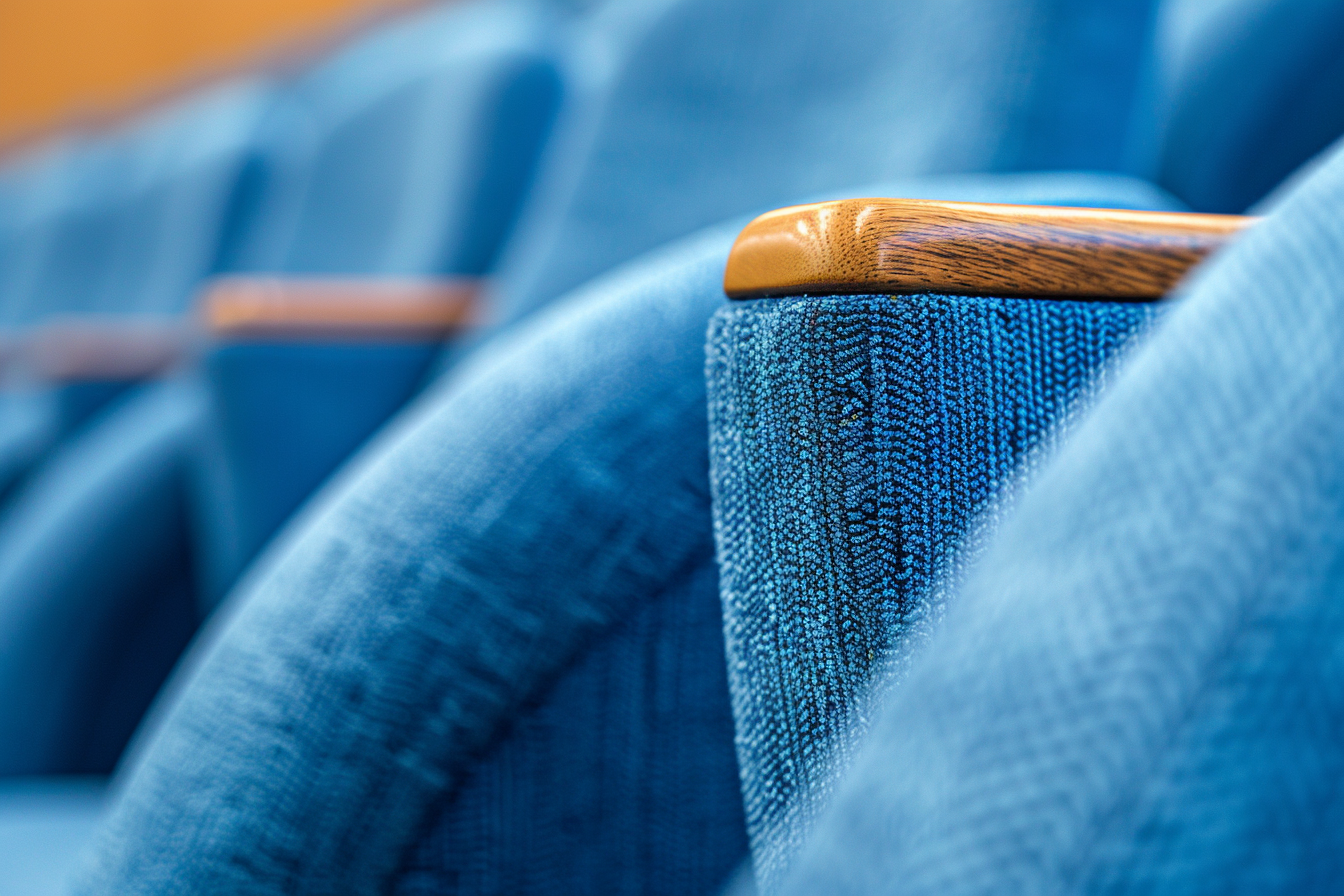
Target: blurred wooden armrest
355, 308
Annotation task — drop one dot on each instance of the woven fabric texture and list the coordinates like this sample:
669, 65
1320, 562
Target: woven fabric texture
855, 440
1140, 689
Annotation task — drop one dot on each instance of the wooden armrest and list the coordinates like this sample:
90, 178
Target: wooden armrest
334, 308
74, 349
913, 246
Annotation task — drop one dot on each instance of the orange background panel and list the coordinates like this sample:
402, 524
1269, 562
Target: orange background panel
66, 60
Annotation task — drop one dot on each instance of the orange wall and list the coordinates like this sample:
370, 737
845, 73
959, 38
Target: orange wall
62, 60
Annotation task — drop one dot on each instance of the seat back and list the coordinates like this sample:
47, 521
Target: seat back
687, 113
406, 154
1249, 90
130, 222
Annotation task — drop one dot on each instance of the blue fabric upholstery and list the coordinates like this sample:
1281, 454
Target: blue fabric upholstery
501, 529
406, 154
282, 416
95, 574
854, 442
44, 825
665, 47
687, 113
1249, 90
1138, 687
488, 657
131, 221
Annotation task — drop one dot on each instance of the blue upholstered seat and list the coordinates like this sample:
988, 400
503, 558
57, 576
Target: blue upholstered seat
393, 698
127, 223
130, 526
528, 512
1136, 688
130, 221
406, 155
497, 638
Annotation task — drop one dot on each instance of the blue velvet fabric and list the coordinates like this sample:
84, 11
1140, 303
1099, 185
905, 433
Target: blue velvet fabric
1248, 90
454, 577
488, 657
1138, 687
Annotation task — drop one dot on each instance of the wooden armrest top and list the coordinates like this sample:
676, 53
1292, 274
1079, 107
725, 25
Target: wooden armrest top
76, 349
912, 246
356, 307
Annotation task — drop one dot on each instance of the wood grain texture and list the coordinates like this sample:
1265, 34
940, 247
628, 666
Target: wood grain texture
349, 308
911, 246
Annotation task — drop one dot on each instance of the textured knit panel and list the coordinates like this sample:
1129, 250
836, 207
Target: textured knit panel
622, 780
854, 442
1141, 687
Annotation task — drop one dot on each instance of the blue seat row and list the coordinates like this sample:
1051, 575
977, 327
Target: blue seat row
489, 655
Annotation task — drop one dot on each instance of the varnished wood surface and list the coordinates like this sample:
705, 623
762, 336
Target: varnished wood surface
912, 246
355, 308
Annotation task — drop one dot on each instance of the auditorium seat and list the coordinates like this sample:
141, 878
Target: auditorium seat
602, 156
1247, 90
403, 562
887, 370
401, 161
1135, 686
124, 223
515, 547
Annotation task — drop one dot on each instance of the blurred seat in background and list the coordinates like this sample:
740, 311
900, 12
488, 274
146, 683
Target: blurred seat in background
1249, 90
96, 550
405, 158
125, 224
